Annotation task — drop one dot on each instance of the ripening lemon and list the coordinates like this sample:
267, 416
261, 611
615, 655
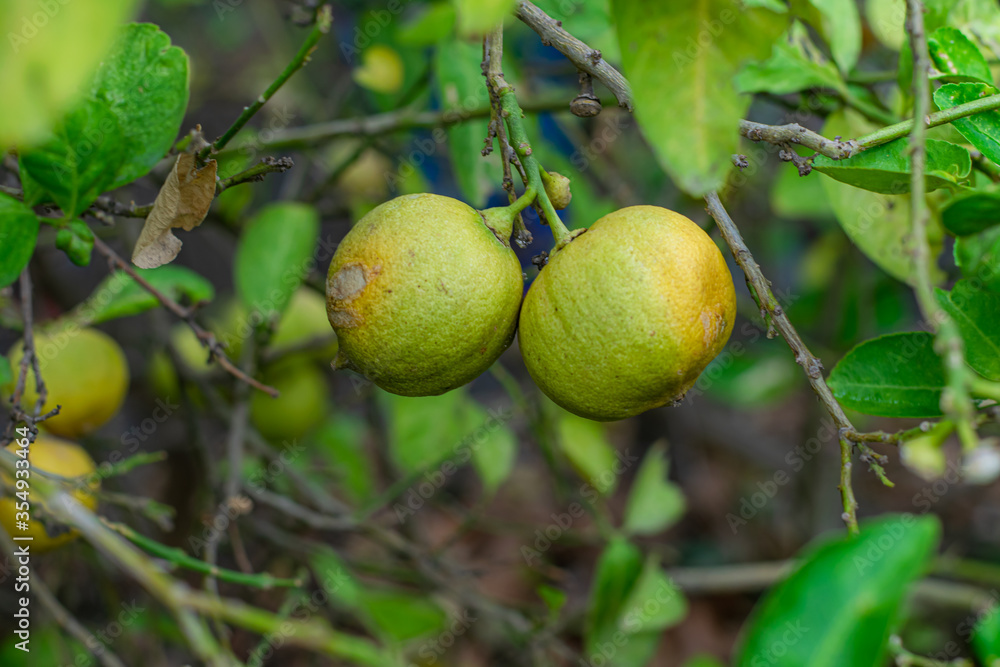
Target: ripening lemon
60, 457
381, 70
85, 372
303, 403
423, 294
626, 316
304, 321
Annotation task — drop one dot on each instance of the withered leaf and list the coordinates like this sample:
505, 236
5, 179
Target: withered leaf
183, 202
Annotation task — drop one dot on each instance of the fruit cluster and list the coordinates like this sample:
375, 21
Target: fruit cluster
425, 293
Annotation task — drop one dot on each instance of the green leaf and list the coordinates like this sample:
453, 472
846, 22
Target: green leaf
587, 20
979, 257
477, 17
585, 443
554, 599
681, 59
976, 312
654, 604
898, 375
460, 87
431, 24
954, 54
79, 160
654, 503
422, 431
986, 637
342, 443
50, 52
972, 213
18, 235
983, 129
119, 295
144, 80
886, 168
6, 375
841, 604
839, 23
399, 616
77, 241
335, 578
274, 254
493, 443
794, 65
618, 570
879, 225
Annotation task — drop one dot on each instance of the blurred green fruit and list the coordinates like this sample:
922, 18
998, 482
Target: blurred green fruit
381, 69
423, 294
627, 315
303, 404
85, 372
302, 322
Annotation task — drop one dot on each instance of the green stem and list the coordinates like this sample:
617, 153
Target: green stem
985, 388
891, 132
181, 559
324, 18
850, 504
512, 116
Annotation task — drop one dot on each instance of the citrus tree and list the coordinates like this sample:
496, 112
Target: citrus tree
357, 335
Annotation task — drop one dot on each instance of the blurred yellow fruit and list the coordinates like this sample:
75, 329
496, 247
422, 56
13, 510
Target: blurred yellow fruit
366, 178
60, 457
304, 401
302, 322
85, 372
381, 69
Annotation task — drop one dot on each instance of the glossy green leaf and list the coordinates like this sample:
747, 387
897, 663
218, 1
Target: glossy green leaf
955, 55
274, 254
978, 256
492, 442
980, 18
77, 241
342, 445
585, 443
422, 431
119, 295
839, 23
842, 602
795, 64
78, 161
654, 604
6, 374
50, 52
618, 570
400, 616
898, 375
477, 17
654, 503
144, 80
972, 213
878, 224
681, 59
461, 88
886, 168
986, 635
983, 129
18, 235
976, 312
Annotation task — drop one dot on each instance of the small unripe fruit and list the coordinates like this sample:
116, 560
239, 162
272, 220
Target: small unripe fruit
85, 372
557, 188
59, 457
423, 294
304, 321
626, 316
303, 402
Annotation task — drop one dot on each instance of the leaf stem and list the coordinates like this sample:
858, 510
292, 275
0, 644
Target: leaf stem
850, 515
324, 18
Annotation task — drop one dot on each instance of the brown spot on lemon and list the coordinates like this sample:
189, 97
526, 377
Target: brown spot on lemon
347, 283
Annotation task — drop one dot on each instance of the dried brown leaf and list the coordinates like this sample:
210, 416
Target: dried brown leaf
183, 203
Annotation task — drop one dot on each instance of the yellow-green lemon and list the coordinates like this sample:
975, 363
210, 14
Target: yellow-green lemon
423, 294
85, 373
66, 459
626, 316
304, 401
305, 321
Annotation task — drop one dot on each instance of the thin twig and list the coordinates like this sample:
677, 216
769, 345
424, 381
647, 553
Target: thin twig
324, 18
850, 515
268, 165
206, 338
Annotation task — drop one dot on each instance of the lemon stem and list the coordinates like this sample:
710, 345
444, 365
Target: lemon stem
534, 187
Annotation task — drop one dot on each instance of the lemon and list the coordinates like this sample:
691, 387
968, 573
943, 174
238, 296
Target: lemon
59, 457
303, 403
626, 316
381, 70
303, 321
423, 294
85, 372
